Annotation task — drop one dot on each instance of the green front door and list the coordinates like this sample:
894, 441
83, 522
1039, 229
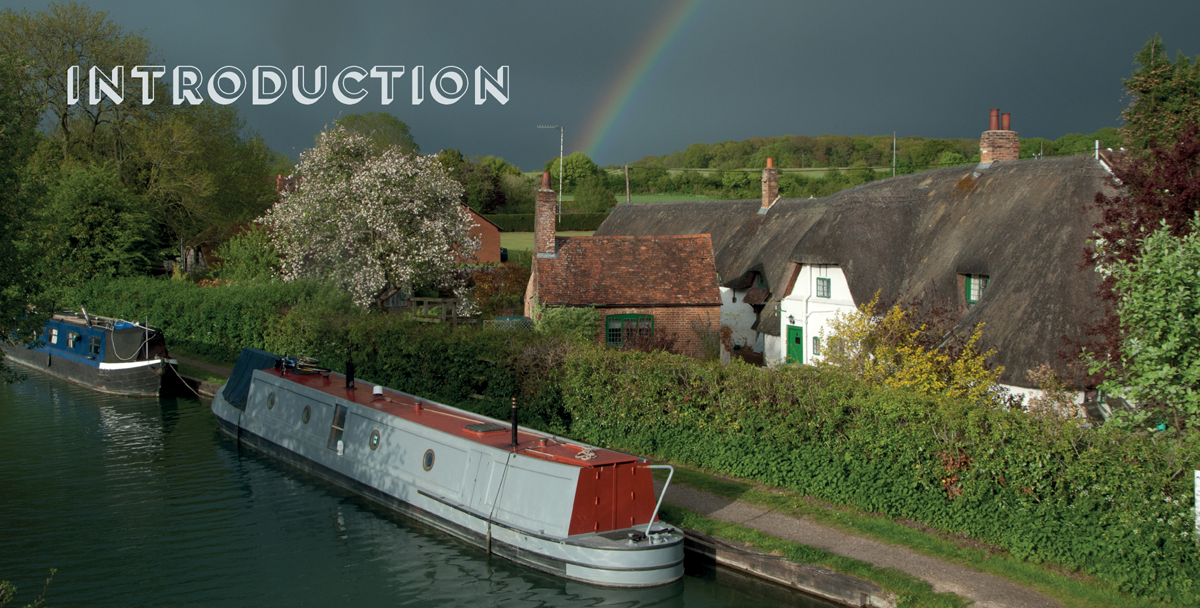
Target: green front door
795, 344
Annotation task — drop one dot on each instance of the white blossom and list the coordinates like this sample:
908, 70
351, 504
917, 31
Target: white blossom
363, 219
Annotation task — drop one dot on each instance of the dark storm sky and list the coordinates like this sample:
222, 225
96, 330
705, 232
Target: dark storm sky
723, 71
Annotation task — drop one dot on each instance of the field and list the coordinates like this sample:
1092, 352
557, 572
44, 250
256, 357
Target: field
523, 241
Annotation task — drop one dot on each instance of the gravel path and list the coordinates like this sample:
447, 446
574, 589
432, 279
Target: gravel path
987, 590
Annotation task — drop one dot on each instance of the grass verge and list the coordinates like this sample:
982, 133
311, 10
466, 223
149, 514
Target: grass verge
909, 590
1072, 589
202, 375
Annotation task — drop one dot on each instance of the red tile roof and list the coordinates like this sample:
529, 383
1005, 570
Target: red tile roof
629, 271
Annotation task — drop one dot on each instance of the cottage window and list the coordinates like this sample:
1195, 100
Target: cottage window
824, 287
973, 288
622, 328
816, 350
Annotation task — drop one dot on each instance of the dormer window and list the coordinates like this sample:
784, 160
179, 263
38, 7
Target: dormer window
824, 287
973, 288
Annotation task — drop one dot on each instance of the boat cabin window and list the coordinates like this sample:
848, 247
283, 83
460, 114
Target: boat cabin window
54, 335
339, 425
94, 346
72, 339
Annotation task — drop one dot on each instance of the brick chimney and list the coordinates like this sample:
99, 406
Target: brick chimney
770, 185
999, 142
543, 220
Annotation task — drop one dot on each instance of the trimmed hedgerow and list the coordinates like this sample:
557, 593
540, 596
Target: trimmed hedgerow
1107, 502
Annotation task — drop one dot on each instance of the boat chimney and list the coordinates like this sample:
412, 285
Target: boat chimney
514, 422
350, 373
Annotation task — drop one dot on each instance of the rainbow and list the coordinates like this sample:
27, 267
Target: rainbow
615, 105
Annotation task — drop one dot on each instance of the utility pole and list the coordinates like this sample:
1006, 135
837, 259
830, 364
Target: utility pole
626, 183
560, 163
893, 154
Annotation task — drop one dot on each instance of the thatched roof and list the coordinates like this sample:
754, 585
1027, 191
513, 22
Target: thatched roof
909, 237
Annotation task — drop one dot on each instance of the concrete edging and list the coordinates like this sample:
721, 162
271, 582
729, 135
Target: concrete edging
808, 578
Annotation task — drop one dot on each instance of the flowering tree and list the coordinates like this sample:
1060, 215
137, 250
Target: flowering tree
372, 221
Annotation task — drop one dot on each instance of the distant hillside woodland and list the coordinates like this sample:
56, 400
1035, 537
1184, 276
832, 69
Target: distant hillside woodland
720, 169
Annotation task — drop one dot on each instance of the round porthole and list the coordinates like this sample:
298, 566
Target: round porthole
271, 401
374, 441
306, 414
427, 460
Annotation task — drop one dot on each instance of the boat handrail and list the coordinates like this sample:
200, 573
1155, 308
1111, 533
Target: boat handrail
660, 496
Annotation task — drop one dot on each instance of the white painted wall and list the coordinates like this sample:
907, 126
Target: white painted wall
739, 317
810, 312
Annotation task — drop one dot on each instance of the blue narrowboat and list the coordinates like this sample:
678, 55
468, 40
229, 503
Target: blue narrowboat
109, 355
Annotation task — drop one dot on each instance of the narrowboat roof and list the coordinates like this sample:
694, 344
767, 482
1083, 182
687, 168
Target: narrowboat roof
472, 427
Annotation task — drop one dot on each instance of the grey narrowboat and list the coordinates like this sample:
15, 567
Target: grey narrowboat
559, 506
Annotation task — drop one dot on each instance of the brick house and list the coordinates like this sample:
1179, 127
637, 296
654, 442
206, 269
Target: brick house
641, 285
489, 238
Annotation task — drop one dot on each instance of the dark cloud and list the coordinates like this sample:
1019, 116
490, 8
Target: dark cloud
738, 70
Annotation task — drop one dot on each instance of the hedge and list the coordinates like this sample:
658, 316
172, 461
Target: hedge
1113, 504
523, 222
1109, 503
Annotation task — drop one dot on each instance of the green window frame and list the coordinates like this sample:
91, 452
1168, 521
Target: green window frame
973, 288
824, 287
619, 328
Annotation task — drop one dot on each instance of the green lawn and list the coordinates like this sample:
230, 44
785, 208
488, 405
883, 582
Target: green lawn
523, 241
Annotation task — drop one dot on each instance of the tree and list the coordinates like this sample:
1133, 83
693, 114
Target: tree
382, 129
1159, 312
575, 169
372, 221
18, 284
593, 197
95, 227
68, 35
898, 350
249, 257
1165, 96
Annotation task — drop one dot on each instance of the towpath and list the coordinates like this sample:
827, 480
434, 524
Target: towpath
986, 590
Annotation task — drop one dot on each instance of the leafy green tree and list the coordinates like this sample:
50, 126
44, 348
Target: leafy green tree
249, 257
1165, 96
18, 281
950, 158
520, 193
1159, 313
382, 129
697, 156
95, 227
592, 197
200, 166
71, 34
576, 168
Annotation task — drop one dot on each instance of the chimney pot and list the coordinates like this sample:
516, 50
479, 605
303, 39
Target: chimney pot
545, 180
994, 120
770, 162
1005, 121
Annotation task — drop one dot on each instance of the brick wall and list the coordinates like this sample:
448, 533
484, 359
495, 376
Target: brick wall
489, 239
679, 322
770, 184
999, 146
543, 220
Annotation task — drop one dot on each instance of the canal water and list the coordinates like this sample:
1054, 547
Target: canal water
144, 502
